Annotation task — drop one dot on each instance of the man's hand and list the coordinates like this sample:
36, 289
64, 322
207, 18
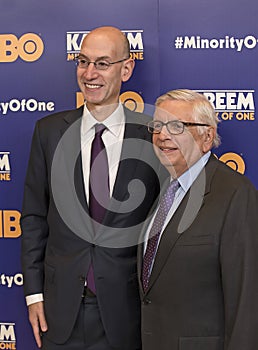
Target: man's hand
37, 320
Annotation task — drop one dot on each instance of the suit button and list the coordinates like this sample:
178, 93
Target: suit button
146, 301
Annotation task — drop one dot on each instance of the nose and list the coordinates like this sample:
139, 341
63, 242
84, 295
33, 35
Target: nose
164, 134
90, 72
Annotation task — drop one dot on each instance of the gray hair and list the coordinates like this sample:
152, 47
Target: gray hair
203, 111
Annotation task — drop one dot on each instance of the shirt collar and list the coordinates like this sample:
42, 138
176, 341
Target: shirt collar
187, 178
113, 123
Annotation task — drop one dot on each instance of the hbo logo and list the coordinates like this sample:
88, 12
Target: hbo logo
29, 47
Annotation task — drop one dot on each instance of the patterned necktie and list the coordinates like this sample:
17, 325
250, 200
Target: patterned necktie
165, 205
99, 194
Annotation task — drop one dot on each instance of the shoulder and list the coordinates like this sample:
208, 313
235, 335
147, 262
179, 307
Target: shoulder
56, 119
136, 124
49, 130
227, 178
136, 117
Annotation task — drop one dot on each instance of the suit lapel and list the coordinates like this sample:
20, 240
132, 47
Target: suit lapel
167, 242
143, 237
140, 251
72, 125
69, 118
183, 217
133, 131
130, 149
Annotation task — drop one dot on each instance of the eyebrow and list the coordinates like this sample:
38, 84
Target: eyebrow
98, 59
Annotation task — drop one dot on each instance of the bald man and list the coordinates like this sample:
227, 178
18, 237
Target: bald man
79, 253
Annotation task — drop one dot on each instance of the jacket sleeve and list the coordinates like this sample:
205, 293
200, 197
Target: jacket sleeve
34, 217
239, 270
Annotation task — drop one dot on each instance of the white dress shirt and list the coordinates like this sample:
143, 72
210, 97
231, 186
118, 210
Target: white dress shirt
112, 138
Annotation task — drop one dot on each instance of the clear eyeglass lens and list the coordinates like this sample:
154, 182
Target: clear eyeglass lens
155, 127
175, 127
82, 63
100, 65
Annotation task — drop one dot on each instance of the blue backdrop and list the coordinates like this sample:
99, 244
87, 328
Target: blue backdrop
209, 47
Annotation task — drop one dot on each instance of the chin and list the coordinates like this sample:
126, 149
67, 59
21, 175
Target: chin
165, 160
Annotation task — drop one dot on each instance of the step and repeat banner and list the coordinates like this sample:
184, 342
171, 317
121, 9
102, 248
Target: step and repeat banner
211, 48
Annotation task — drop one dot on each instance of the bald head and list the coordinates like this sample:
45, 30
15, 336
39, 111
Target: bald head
101, 87
111, 34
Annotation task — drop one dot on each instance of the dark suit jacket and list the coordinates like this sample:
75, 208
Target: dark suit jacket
58, 242
203, 292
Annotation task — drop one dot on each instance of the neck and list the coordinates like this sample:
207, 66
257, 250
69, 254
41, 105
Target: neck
102, 112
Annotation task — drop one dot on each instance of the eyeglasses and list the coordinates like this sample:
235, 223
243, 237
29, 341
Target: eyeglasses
99, 65
174, 127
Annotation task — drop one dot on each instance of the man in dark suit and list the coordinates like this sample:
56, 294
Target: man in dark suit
198, 266
79, 252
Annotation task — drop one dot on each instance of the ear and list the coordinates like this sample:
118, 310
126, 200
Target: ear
127, 69
208, 138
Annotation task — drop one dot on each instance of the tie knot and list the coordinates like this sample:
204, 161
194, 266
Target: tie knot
173, 186
99, 129
170, 193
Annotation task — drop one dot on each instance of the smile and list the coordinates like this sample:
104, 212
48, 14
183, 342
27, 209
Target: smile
92, 86
163, 149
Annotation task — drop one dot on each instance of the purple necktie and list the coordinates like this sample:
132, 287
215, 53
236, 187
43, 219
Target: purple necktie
165, 205
99, 180
99, 194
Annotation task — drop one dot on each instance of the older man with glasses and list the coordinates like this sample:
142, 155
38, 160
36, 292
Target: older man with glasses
198, 264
